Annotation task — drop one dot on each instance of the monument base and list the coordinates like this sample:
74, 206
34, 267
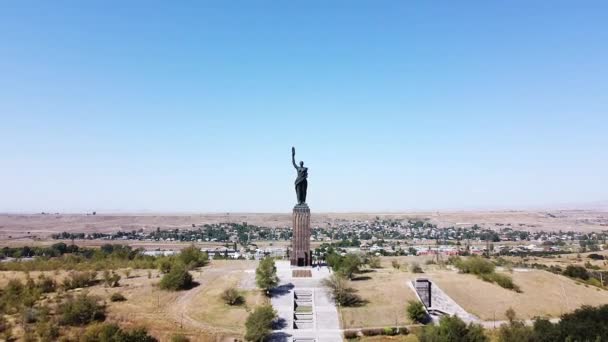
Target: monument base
300, 241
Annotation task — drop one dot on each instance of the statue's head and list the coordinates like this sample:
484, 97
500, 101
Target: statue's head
301, 163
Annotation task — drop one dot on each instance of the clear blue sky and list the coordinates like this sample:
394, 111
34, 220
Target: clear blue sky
393, 105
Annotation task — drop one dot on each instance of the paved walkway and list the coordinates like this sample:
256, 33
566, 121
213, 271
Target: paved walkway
326, 324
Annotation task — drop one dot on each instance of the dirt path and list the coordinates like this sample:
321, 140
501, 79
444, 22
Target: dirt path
180, 310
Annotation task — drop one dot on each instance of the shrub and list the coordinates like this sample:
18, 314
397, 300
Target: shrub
259, 323
396, 264
372, 332
502, 280
596, 256
231, 296
416, 268
374, 262
81, 310
102, 332
177, 279
475, 265
47, 331
179, 338
165, 265
350, 334
12, 296
594, 282
388, 331
416, 311
452, 328
111, 279
79, 279
574, 271
29, 315
117, 297
46, 284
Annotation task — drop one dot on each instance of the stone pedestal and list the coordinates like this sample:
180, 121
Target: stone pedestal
300, 241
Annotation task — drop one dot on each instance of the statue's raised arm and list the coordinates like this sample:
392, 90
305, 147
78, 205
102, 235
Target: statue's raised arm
301, 182
293, 157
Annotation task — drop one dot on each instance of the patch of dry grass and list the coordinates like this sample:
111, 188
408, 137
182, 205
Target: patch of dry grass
386, 292
208, 307
543, 294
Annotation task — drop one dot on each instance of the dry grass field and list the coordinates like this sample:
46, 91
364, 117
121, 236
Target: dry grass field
386, 292
197, 313
544, 294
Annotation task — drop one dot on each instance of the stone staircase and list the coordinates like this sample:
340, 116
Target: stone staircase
303, 315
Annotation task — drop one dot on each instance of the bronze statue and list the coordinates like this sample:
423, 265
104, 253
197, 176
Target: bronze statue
301, 182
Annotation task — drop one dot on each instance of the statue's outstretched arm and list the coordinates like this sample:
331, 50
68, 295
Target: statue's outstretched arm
293, 157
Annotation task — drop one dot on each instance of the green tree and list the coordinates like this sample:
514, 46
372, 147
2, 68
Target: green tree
177, 279
259, 323
193, 257
266, 275
349, 265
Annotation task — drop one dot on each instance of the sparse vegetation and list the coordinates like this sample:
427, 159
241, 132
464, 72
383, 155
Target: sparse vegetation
485, 270
102, 332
